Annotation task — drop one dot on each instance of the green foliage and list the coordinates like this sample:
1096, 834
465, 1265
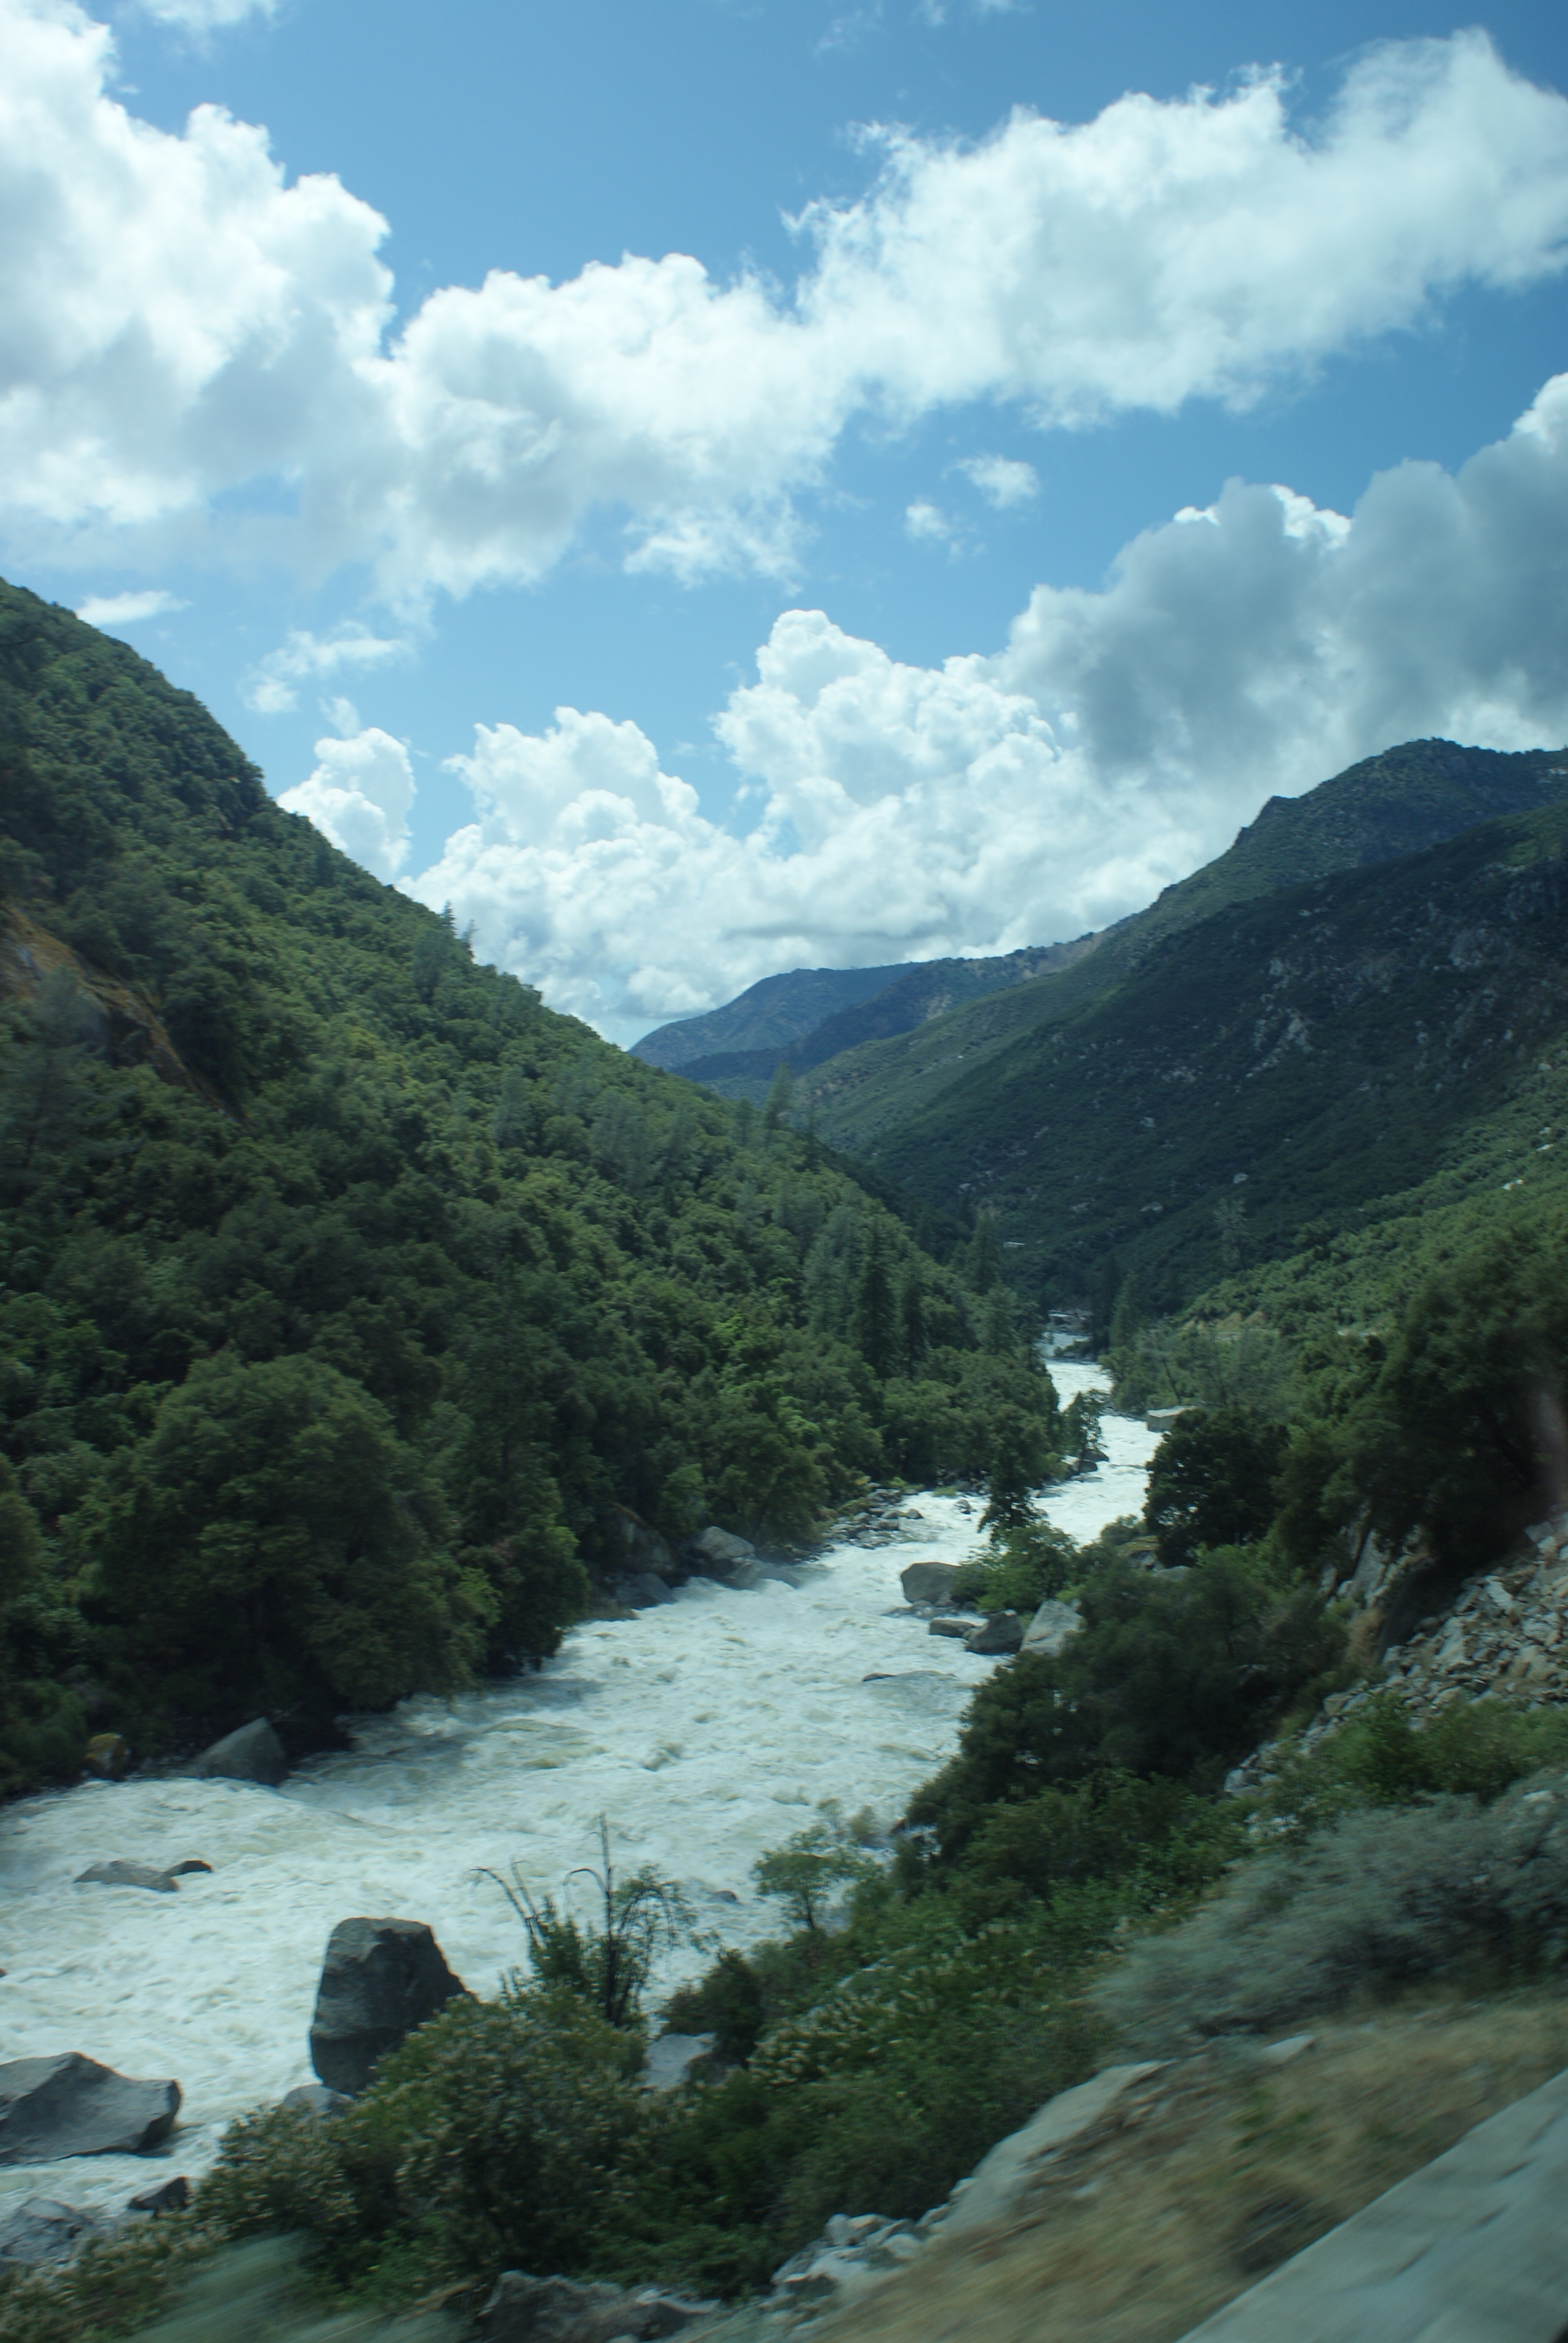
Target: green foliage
1175, 1677
1027, 1563
811, 1866
604, 1961
1213, 1482
1378, 1757
345, 1291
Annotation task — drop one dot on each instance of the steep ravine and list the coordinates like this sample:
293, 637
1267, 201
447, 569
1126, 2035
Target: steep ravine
706, 1731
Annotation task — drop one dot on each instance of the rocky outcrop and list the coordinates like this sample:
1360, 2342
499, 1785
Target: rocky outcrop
380, 1980
957, 1626
927, 1582
41, 2231
120, 1873
70, 2105
642, 1551
1001, 1633
1052, 1625
253, 1754
1503, 1636
107, 1758
719, 1553
642, 1591
524, 2309
315, 2099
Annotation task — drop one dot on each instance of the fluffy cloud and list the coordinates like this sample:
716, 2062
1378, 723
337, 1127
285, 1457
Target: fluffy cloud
179, 322
360, 796
272, 686
128, 609
1003, 480
927, 523
1117, 740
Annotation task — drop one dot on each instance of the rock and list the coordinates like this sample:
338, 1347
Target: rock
1003, 2177
1051, 1626
173, 2196
126, 1875
645, 1591
315, 2099
253, 1754
107, 1756
958, 1627
643, 1552
927, 1582
70, 2105
380, 1980
675, 2060
720, 1553
1161, 1419
1002, 1633
41, 2230
524, 2309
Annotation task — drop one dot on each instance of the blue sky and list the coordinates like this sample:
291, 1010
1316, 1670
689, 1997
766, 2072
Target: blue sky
879, 552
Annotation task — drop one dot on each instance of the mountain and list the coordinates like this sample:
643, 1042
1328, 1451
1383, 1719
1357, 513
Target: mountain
799, 1020
353, 1305
1285, 1069
1409, 798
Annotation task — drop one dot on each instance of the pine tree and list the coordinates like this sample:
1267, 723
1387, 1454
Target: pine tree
874, 1324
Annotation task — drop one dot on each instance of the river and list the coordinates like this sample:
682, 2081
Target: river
706, 1731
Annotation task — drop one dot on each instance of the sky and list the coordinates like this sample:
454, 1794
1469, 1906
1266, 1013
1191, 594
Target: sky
712, 487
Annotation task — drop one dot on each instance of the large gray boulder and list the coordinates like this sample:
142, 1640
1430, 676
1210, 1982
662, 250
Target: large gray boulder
70, 2105
644, 1592
380, 1980
1052, 1625
1002, 1633
253, 1754
41, 2230
642, 1548
524, 2309
720, 1553
927, 1582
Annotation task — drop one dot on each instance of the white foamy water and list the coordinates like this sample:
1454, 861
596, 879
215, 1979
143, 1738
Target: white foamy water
706, 1731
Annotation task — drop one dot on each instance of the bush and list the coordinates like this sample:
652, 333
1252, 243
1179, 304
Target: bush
1379, 1757
1448, 1890
1028, 1563
1167, 1676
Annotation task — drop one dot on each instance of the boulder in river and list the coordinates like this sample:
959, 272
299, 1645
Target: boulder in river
524, 2309
107, 1758
1002, 1633
927, 1582
169, 2196
120, 1873
253, 1754
643, 1591
41, 2230
720, 1553
70, 2105
642, 1548
960, 1628
315, 2099
380, 1980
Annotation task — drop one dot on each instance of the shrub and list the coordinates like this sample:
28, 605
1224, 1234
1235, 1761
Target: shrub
1379, 1899
1212, 1482
1379, 1757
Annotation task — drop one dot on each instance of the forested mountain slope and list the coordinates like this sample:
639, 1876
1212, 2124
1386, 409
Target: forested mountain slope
1409, 798
1287, 1061
346, 1291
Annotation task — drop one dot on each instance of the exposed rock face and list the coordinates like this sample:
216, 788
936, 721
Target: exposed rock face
380, 1980
643, 1551
70, 2105
525, 2309
957, 1628
927, 1582
41, 2230
315, 2099
641, 1593
1052, 1625
720, 1553
172, 2197
253, 1754
1002, 1633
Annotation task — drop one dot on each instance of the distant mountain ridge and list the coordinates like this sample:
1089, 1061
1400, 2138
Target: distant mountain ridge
787, 1020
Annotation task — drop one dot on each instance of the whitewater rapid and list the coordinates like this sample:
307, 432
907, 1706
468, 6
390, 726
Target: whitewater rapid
706, 1731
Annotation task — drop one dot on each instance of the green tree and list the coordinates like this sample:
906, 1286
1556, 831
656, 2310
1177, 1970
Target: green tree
780, 1093
912, 1334
605, 1960
875, 1322
21, 1548
276, 1543
1020, 1460
811, 1866
1213, 1482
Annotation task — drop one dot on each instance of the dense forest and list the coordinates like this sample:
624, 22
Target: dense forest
347, 1294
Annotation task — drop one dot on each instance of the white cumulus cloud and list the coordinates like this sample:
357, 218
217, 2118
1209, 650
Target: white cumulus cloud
202, 17
128, 609
360, 795
927, 523
1003, 481
179, 321
272, 686
1117, 740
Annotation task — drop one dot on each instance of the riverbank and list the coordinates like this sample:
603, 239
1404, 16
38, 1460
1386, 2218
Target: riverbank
708, 1730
